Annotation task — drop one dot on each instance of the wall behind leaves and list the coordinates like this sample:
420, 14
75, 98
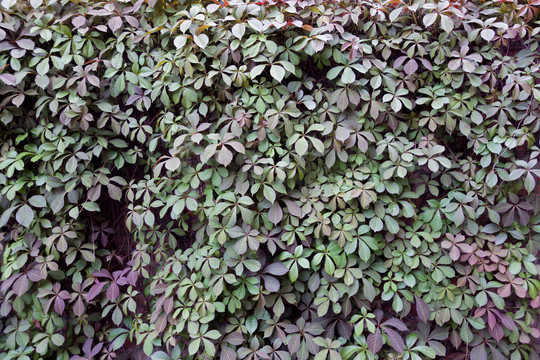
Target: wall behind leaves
299, 179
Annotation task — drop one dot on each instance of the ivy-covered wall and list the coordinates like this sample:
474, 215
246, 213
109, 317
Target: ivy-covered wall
285, 180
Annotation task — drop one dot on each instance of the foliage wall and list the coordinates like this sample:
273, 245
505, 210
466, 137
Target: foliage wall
299, 179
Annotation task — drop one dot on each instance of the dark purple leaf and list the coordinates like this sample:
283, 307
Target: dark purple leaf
271, 283
276, 269
374, 341
396, 341
479, 353
398, 324
422, 309
20, 286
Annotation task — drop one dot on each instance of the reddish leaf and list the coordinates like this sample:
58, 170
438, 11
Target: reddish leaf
168, 305
491, 320
275, 214
507, 321
504, 290
497, 332
161, 323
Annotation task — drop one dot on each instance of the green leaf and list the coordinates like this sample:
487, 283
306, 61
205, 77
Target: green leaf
251, 324
38, 201
368, 290
391, 224
301, 146
194, 346
57, 339
6, 215
239, 30
447, 24
429, 19
317, 144
25, 215
91, 206
201, 40
427, 351
348, 77
277, 72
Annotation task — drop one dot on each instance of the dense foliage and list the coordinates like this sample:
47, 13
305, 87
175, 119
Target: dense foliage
301, 179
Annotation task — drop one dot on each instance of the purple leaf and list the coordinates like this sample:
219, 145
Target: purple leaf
21, 285
87, 347
396, 341
497, 332
507, 321
115, 23
132, 99
8, 79
132, 278
422, 309
102, 273
96, 349
95, 291
78, 308
294, 208
276, 269
235, 338
294, 343
374, 341
113, 291
479, 353
398, 324
275, 214
271, 283
227, 353
59, 305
